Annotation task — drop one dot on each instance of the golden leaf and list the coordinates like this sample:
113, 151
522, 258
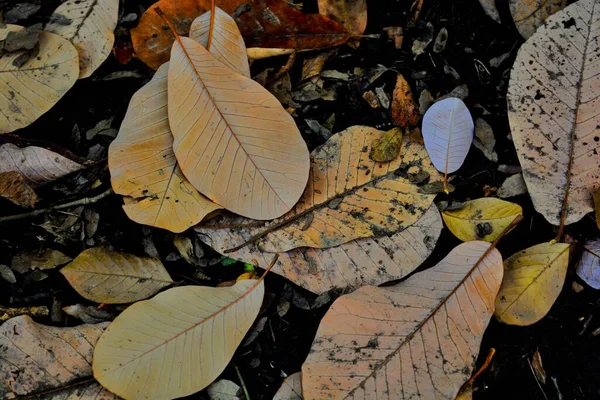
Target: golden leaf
387, 147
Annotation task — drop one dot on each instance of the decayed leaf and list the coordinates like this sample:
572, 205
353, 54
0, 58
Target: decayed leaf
90, 31
489, 6
88, 314
481, 219
184, 338
417, 339
266, 24
588, 267
227, 43
17, 189
349, 196
532, 282
554, 115
291, 388
233, 140
224, 389
513, 186
42, 80
352, 14
46, 259
448, 133
405, 111
35, 358
143, 166
369, 261
36, 164
107, 276
387, 147
485, 140
531, 14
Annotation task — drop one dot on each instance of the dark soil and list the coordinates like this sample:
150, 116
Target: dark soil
569, 350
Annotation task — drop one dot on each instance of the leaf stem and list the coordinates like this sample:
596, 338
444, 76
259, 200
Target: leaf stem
239, 374
211, 27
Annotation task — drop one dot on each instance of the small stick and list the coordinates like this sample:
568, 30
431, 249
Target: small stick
486, 364
288, 65
80, 202
237, 370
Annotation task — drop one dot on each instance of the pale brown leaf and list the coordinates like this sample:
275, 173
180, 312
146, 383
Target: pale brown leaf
47, 259
291, 388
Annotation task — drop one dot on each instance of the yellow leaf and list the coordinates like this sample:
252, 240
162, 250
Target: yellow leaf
247, 275
233, 140
533, 279
387, 147
176, 343
106, 276
39, 83
143, 167
481, 219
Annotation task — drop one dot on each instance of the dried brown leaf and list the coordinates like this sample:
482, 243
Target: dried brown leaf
529, 15
387, 147
405, 112
14, 187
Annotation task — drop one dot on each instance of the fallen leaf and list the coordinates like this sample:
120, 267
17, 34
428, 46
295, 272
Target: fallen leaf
554, 115
143, 166
370, 261
47, 259
227, 43
481, 219
20, 11
90, 31
7, 274
538, 367
371, 98
14, 187
489, 6
417, 339
351, 14
448, 134
485, 140
264, 24
87, 314
37, 164
423, 38
19, 38
224, 389
512, 186
440, 41
236, 125
396, 34
35, 358
258, 53
588, 267
291, 388
44, 79
205, 324
387, 147
533, 279
529, 15
405, 112
107, 276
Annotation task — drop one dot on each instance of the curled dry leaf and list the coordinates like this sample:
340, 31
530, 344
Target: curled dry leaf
369, 261
17, 189
227, 43
291, 388
387, 147
352, 14
588, 267
90, 31
529, 15
533, 280
107, 276
184, 339
417, 339
143, 166
448, 133
36, 164
349, 196
233, 140
481, 219
553, 112
405, 112
43, 79
35, 358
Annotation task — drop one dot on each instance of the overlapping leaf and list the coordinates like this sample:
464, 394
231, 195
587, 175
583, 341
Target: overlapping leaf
529, 15
554, 115
227, 43
417, 339
233, 140
533, 280
588, 267
291, 388
33, 88
369, 261
36, 358
91, 27
107, 276
143, 166
178, 342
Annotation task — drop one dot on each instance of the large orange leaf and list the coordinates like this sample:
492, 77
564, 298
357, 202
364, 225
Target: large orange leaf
368, 261
233, 140
418, 339
554, 114
143, 166
350, 196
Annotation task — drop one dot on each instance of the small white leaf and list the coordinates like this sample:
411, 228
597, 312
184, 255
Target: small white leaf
448, 133
588, 268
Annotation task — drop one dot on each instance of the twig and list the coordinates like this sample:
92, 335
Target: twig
288, 65
80, 202
237, 370
486, 364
